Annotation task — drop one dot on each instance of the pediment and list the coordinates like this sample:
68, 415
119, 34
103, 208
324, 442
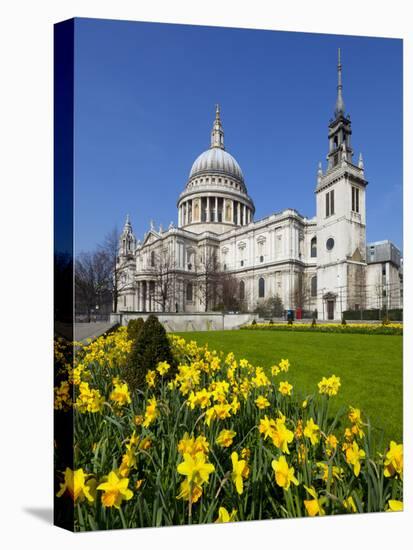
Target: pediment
150, 237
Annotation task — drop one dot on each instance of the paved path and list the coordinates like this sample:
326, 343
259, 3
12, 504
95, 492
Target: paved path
91, 330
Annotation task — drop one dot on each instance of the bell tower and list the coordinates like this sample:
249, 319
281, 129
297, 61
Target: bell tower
339, 129
127, 240
341, 219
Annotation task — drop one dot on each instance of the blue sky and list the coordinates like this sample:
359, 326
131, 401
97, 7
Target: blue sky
144, 107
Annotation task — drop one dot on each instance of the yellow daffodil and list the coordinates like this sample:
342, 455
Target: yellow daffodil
353, 457
186, 494
240, 471
336, 472
312, 431
262, 402
314, 507
151, 412
210, 414
150, 378
222, 411
350, 505
285, 388
163, 367
329, 386
284, 365
331, 444
266, 426
246, 453
275, 370
76, 484
281, 436
196, 469
225, 438
115, 490
284, 475
120, 395
89, 400
235, 405
128, 462
393, 462
224, 516
395, 506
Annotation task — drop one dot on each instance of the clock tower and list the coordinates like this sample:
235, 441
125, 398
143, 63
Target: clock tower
341, 219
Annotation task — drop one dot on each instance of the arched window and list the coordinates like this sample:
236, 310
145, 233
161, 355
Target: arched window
242, 290
189, 292
314, 285
261, 288
314, 247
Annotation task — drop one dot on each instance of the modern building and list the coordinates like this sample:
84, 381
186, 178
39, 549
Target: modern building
320, 263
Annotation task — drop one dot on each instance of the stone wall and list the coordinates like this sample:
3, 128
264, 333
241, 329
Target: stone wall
187, 322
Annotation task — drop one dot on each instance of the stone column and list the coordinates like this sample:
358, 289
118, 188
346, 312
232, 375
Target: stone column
232, 212
239, 214
216, 209
208, 210
244, 215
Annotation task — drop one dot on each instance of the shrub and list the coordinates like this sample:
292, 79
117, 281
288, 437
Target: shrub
343, 321
134, 328
150, 347
253, 322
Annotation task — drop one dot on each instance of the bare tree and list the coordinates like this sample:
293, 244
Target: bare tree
302, 291
207, 280
164, 279
92, 281
110, 249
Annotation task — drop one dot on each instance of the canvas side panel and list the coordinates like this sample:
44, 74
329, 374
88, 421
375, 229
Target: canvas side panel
63, 270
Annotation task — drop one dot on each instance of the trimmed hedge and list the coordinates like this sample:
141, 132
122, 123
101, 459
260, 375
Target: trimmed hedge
150, 347
134, 328
390, 328
373, 315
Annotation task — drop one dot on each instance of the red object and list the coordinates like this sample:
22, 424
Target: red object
299, 313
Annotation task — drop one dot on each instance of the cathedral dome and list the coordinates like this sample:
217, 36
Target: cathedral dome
215, 197
216, 160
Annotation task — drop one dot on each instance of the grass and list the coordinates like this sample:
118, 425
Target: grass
370, 367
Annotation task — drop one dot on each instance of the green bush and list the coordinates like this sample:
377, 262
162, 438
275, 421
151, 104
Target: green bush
134, 328
150, 347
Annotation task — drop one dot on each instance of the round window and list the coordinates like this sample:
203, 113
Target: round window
330, 243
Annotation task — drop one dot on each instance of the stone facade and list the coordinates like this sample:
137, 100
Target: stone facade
316, 263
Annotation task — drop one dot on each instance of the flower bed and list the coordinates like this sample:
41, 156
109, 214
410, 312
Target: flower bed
222, 441
353, 328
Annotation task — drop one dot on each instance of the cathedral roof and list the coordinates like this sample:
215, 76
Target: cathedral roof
217, 160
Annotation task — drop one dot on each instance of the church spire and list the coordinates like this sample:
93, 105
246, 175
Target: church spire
217, 134
339, 110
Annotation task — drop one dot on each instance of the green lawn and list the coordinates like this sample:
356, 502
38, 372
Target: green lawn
370, 367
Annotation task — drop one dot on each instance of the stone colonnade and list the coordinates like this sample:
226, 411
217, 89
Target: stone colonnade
213, 209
